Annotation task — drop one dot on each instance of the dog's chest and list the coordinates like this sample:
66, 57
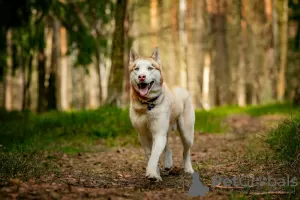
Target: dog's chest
143, 121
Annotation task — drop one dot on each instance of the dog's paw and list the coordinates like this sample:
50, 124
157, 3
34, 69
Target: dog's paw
168, 166
189, 170
154, 177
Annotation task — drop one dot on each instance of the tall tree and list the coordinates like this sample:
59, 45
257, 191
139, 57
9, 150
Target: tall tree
154, 21
41, 107
283, 51
117, 56
52, 97
8, 76
183, 43
220, 59
63, 71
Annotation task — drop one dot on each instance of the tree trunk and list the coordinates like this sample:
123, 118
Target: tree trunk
283, 52
41, 107
52, 88
128, 42
26, 95
221, 69
153, 22
98, 70
8, 76
3, 64
63, 72
241, 83
175, 44
183, 44
206, 81
275, 46
117, 57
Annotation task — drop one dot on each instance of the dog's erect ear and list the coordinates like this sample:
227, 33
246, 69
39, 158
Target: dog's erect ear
155, 55
133, 56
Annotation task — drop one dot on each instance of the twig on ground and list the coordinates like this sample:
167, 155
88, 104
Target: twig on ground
227, 187
270, 193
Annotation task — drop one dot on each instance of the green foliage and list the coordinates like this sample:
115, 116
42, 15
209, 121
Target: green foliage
211, 121
285, 139
76, 131
61, 130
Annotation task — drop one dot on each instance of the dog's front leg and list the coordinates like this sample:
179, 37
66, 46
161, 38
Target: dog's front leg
159, 135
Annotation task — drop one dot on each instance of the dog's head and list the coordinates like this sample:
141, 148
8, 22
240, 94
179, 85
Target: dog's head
145, 74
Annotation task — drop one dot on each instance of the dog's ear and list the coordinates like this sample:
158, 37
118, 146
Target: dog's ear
155, 55
133, 56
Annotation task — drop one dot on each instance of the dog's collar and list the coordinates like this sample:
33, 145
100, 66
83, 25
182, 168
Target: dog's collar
150, 102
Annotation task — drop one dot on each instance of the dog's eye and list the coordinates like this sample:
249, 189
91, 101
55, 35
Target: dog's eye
136, 69
150, 68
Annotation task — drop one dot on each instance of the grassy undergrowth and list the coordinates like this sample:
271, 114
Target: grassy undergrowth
285, 140
24, 136
76, 131
22, 131
211, 121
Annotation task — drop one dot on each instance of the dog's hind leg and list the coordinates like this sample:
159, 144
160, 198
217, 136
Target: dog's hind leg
185, 124
168, 156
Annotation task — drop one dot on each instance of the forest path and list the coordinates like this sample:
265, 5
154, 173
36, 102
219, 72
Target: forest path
119, 173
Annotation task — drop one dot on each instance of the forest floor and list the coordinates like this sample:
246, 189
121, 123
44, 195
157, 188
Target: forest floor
119, 172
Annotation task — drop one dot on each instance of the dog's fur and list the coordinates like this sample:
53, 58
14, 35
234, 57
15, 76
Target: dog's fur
171, 109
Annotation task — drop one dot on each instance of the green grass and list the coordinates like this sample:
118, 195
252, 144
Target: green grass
73, 132
211, 121
25, 136
67, 131
285, 140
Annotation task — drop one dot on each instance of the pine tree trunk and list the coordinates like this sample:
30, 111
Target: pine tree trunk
220, 60
3, 64
275, 31
8, 76
153, 22
52, 88
241, 82
41, 74
116, 73
26, 94
183, 44
175, 45
283, 52
206, 81
63, 75
128, 44
97, 67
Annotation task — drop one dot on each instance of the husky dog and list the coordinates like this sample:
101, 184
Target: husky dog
155, 110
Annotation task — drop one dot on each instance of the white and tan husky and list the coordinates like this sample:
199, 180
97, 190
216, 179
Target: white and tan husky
155, 110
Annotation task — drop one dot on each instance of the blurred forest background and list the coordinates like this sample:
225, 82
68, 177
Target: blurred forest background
73, 54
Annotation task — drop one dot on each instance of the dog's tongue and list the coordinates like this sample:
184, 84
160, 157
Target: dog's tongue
143, 91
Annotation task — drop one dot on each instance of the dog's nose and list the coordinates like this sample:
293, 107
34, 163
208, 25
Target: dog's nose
142, 77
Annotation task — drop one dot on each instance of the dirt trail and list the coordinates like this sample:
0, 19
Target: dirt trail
118, 173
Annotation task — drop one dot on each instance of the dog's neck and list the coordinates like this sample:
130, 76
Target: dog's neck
150, 102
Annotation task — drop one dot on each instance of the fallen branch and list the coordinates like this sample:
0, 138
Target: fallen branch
270, 193
228, 187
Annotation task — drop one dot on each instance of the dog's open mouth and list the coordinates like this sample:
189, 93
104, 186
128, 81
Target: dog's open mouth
144, 88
